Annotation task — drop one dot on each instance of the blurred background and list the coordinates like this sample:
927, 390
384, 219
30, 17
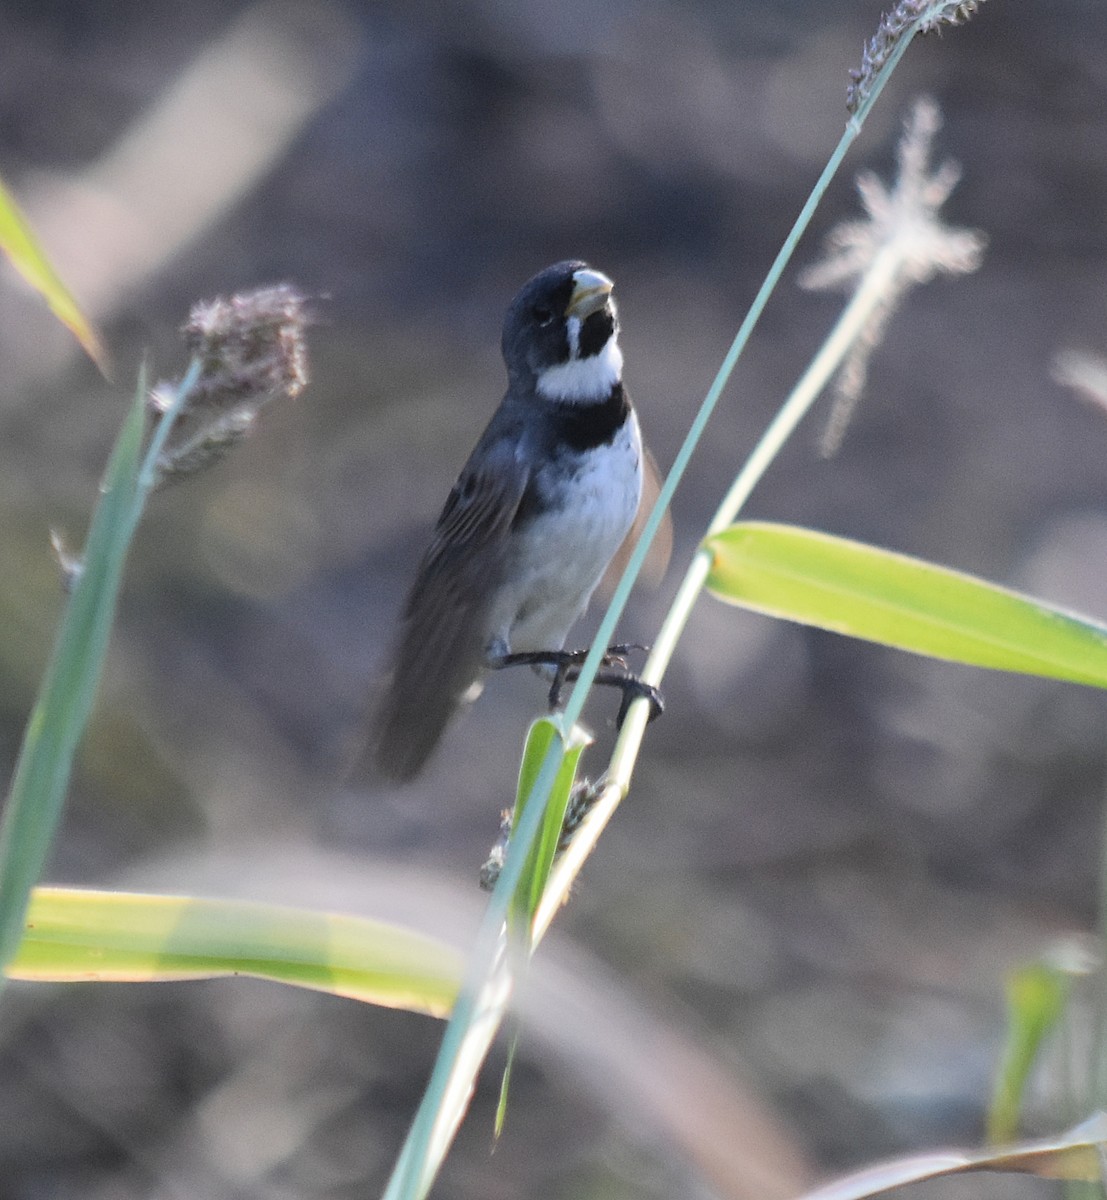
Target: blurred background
787, 957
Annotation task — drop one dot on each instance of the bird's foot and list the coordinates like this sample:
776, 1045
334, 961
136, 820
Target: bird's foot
635, 688
614, 672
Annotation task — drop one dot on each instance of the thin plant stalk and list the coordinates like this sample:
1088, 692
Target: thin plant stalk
477, 1014
473, 1024
605, 635
45, 762
247, 351
850, 325
434, 1126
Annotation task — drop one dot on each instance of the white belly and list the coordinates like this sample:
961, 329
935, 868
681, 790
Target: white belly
562, 557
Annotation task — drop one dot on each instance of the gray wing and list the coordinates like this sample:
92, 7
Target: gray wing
440, 648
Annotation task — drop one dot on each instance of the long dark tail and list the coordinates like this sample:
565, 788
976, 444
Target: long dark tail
409, 724
433, 667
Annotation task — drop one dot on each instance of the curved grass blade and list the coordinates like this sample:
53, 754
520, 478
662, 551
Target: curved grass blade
20, 245
1075, 1155
75, 935
859, 590
61, 712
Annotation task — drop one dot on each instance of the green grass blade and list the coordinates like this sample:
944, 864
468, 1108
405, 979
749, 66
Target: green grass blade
479, 1011
543, 733
505, 1087
1037, 996
61, 712
75, 935
20, 245
880, 596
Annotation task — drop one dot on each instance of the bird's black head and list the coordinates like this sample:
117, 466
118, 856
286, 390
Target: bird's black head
561, 334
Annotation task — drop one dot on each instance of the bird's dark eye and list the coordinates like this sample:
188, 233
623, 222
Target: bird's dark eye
542, 314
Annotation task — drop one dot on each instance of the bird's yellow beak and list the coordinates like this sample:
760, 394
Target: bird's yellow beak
590, 292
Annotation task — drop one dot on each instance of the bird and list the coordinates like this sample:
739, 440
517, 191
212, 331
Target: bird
557, 488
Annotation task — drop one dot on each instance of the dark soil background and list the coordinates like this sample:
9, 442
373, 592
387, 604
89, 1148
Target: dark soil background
788, 955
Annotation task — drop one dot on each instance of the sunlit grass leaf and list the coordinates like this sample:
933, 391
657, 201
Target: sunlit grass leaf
20, 245
74, 935
865, 592
541, 736
1036, 999
42, 771
1074, 1155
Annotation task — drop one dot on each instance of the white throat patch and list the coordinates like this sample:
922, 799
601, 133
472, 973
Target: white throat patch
583, 379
